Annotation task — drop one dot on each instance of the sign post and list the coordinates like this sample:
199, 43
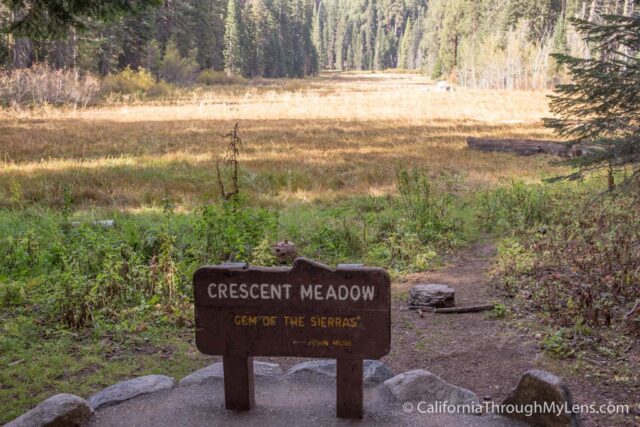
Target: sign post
308, 310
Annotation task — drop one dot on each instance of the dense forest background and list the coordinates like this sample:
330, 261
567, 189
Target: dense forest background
478, 43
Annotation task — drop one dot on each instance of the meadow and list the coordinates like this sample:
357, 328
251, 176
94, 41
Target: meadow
330, 138
351, 167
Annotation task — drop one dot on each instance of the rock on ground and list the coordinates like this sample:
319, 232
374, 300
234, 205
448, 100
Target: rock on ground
326, 367
280, 401
373, 371
431, 295
542, 387
216, 371
59, 410
423, 386
129, 389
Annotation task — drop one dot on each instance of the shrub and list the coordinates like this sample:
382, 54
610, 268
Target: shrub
212, 77
40, 85
516, 207
583, 270
231, 233
128, 81
176, 69
161, 89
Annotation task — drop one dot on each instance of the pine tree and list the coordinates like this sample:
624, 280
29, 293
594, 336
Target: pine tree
233, 61
405, 46
44, 19
208, 29
601, 105
318, 24
137, 31
370, 31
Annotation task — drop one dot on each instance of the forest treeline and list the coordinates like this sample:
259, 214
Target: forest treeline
480, 43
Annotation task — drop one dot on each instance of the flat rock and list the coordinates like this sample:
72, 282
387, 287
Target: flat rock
129, 389
423, 386
373, 371
542, 387
326, 367
431, 295
216, 371
59, 410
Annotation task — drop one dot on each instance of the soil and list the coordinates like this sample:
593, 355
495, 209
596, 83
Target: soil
483, 354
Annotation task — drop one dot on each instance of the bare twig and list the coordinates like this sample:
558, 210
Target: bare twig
230, 161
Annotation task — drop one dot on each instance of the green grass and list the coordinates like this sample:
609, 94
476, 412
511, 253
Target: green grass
84, 306
35, 367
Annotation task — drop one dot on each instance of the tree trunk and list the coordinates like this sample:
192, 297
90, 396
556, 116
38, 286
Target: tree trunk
530, 147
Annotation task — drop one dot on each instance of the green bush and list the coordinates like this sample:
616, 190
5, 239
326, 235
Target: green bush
128, 81
212, 77
583, 268
11, 294
77, 273
176, 69
516, 207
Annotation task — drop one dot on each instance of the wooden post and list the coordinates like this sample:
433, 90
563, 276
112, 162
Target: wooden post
238, 383
349, 388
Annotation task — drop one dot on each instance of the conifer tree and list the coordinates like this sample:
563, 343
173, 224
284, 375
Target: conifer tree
318, 21
44, 18
233, 61
601, 105
405, 46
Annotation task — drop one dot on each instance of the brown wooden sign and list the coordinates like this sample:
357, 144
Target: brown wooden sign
308, 310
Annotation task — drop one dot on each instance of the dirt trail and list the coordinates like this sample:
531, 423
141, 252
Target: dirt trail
477, 352
469, 349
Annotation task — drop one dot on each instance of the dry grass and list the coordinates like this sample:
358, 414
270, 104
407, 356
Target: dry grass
329, 137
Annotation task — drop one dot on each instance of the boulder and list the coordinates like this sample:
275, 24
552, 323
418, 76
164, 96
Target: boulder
216, 371
373, 371
431, 295
423, 386
129, 389
540, 387
59, 410
326, 367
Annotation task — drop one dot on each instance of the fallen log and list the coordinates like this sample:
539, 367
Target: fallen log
464, 309
530, 147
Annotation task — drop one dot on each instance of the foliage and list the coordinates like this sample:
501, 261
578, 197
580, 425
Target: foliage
177, 69
582, 269
600, 105
81, 273
128, 81
516, 208
42, 18
212, 78
40, 85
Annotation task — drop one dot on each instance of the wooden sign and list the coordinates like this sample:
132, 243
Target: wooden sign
308, 310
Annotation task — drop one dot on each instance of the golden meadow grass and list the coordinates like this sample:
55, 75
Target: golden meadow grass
323, 138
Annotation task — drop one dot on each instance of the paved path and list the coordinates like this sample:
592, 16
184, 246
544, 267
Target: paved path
280, 401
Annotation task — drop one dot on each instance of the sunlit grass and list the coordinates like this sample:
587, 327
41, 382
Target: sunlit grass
333, 136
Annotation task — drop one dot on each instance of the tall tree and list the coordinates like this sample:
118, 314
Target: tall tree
233, 60
405, 46
44, 18
601, 105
